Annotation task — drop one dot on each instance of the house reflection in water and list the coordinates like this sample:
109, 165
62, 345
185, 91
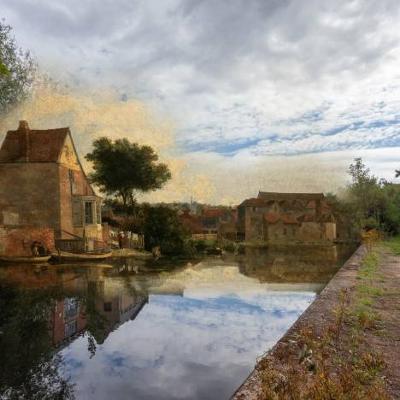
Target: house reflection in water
67, 320
106, 305
114, 305
81, 301
300, 266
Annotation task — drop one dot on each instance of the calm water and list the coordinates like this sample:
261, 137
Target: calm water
127, 330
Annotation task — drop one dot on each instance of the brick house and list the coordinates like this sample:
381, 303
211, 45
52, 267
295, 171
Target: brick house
44, 192
286, 217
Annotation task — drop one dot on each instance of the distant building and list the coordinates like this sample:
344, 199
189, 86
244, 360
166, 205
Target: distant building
44, 192
211, 223
286, 217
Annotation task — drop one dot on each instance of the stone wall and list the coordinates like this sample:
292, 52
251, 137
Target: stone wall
17, 241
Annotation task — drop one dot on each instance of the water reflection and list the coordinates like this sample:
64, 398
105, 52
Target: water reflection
133, 330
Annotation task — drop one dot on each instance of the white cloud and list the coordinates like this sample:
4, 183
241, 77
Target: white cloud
248, 78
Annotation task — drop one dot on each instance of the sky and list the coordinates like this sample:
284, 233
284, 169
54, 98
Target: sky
237, 95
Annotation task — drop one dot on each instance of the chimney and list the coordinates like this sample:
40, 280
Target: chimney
24, 141
23, 125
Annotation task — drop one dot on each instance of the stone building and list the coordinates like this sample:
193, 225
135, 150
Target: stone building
44, 192
286, 217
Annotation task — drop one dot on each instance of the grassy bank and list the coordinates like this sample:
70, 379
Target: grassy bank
337, 359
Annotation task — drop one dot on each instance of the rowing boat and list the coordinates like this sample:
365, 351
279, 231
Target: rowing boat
65, 256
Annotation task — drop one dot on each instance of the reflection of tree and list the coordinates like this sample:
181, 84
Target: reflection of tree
28, 367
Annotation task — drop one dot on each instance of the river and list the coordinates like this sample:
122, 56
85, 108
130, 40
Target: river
131, 330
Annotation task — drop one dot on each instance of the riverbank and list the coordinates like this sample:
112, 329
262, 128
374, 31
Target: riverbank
344, 346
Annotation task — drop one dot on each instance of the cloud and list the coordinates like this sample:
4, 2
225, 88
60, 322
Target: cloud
238, 79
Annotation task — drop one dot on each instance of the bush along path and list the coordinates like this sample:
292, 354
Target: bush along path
347, 343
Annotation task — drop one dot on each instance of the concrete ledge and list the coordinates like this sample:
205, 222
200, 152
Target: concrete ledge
317, 316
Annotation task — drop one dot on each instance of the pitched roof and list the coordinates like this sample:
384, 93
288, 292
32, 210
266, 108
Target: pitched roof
278, 196
33, 145
253, 202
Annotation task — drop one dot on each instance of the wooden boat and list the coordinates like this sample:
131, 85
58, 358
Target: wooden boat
84, 264
65, 256
30, 260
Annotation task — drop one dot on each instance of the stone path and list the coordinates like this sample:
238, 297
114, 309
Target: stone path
388, 308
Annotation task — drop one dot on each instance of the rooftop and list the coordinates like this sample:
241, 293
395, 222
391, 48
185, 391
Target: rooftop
33, 145
277, 196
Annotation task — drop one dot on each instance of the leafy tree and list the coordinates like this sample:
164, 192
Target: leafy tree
397, 173
364, 195
162, 227
369, 201
17, 70
122, 169
391, 209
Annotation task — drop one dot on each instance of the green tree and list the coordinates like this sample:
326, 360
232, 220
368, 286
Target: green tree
391, 209
364, 195
122, 169
162, 227
17, 70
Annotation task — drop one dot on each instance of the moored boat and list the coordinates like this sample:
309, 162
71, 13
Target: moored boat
26, 259
65, 256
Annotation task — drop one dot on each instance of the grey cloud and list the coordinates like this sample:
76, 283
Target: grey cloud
278, 59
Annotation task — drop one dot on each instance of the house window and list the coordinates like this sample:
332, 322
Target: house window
98, 212
284, 231
70, 307
70, 328
88, 212
72, 181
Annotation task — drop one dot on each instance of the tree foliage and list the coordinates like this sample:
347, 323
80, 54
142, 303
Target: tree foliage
162, 227
17, 70
371, 202
122, 169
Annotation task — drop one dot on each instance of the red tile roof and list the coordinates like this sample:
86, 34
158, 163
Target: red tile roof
33, 145
192, 223
289, 219
277, 196
271, 217
306, 218
213, 212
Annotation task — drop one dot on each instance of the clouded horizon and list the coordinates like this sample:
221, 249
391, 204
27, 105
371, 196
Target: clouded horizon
274, 95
